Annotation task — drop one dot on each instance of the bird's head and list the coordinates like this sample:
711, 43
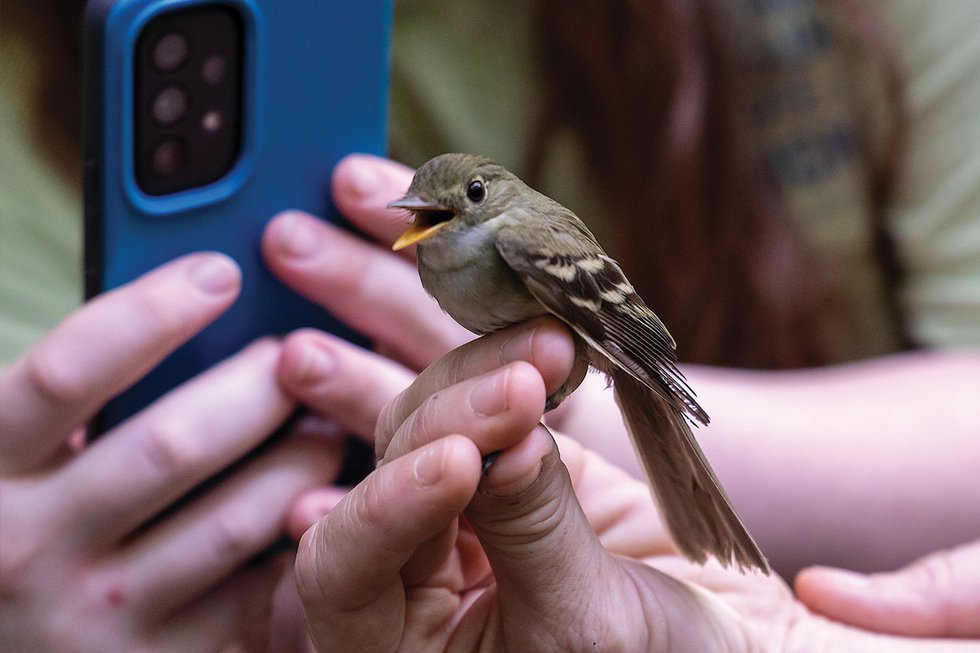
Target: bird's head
454, 191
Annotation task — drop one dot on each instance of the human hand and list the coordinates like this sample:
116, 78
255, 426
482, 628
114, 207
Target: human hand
393, 565
87, 561
544, 553
936, 596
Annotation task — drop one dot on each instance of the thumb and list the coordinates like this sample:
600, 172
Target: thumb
936, 596
544, 553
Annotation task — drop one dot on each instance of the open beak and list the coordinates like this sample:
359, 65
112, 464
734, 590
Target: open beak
430, 217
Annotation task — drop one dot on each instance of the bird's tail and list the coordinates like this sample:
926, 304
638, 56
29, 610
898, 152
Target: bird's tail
694, 506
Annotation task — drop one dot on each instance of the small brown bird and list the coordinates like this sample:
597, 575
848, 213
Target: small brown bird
494, 252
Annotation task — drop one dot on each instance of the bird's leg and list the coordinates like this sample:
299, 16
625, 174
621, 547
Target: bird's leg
488, 461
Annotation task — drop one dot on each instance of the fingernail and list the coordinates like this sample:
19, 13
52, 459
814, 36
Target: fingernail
845, 579
518, 346
215, 274
489, 396
363, 181
297, 237
317, 510
316, 365
428, 467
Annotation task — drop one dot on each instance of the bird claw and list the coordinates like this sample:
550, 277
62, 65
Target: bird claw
488, 461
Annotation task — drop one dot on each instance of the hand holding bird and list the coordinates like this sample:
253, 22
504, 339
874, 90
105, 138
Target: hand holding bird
494, 252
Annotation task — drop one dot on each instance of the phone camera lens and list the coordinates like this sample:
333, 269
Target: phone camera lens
170, 105
213, 69
168, 158
170, 52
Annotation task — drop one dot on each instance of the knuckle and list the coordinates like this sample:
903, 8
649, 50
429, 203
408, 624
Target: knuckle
933, 573
425, 420
54, 378
236, 535
15, 562
420, 423
169, 449
931, 580
415, 429
387, 424
459, 366
22, 548
158, 315
311, 577
370, 501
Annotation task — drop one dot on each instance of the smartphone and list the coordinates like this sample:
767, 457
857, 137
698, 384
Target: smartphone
204, 119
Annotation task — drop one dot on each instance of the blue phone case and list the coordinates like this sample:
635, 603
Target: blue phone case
314, 88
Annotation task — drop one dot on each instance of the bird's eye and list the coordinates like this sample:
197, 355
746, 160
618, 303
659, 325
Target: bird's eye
476, 191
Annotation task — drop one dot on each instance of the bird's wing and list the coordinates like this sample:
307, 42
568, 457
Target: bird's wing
587, 290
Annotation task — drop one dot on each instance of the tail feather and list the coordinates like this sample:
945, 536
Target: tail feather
694, 506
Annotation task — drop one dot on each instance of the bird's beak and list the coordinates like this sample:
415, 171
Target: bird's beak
430, 217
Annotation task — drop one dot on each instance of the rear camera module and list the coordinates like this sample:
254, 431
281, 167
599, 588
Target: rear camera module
187, 101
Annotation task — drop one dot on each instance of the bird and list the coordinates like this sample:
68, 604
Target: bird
494, 252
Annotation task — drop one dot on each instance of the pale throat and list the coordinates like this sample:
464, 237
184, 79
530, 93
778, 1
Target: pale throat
463, 270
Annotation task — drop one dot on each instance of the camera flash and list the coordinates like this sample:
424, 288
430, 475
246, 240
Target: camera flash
211, 121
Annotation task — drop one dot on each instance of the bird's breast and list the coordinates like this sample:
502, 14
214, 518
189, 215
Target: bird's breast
473, 283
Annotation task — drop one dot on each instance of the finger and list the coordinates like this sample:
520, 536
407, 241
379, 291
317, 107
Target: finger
359, 282
312, 506
165, 450
103, 348
545, 557
193, 551
362, 186
494, 410
341, 381
233, 617
937, 596
349, 564
544, 343
288, 626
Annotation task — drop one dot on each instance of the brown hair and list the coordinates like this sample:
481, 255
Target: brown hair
655, 98
55, 28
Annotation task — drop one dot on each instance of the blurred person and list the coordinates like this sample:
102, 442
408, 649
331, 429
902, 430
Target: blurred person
730, 232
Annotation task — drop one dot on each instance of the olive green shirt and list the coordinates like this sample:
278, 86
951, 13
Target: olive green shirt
40, 217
